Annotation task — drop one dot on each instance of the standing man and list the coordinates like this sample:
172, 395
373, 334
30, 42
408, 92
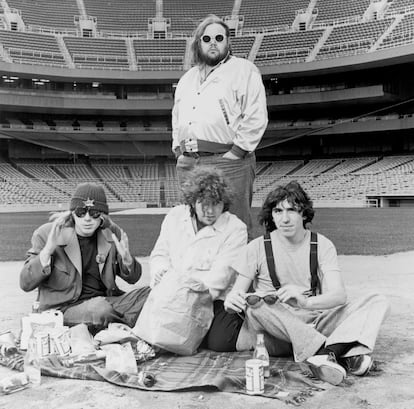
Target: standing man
74, 260
220, 114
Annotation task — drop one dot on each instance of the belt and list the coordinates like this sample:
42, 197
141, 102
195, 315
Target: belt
198, 154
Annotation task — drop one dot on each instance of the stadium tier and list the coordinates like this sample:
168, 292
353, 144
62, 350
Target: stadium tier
267, 32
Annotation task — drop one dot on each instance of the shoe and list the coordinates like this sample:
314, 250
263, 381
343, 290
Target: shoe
358, 365
326, 369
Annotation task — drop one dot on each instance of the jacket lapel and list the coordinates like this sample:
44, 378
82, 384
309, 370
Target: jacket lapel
104, 245
69, 242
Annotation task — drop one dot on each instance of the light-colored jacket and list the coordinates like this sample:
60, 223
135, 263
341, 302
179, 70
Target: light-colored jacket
206, 255
61, 283
229, 107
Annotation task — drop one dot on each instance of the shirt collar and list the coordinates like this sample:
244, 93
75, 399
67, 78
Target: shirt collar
219, 225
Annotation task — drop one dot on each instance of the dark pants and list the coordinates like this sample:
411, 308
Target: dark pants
224, 330
240, 174
98, 312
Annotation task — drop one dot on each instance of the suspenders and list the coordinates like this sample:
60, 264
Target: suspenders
313, 262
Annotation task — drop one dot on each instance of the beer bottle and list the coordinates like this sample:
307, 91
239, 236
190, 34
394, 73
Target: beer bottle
260, 352
32, 362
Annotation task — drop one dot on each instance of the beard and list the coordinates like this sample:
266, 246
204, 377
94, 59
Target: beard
211, 60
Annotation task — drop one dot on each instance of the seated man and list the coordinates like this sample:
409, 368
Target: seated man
74, 260
201, 237
299, 295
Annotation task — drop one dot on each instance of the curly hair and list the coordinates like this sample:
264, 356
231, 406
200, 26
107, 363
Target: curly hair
208, 186
198, 33
295, 195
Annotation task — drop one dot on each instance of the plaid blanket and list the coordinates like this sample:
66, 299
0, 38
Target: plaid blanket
224, 371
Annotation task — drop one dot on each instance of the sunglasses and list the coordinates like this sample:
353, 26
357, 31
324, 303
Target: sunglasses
81, 212
207, 39
253, 299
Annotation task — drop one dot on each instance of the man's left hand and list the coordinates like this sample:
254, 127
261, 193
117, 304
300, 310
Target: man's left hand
293, 295
230, 155
122, 247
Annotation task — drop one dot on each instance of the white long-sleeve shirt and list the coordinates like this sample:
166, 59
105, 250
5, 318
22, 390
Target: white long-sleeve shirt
229, 107
205, 255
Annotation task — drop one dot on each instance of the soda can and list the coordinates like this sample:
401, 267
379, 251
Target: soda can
254, 377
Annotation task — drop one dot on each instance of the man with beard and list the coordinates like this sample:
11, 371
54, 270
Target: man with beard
220, 114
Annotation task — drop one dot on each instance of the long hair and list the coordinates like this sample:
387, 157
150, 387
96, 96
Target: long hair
295, 195
206, 185
195, 47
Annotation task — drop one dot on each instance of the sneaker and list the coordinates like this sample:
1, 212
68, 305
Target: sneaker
326, 369
358, 365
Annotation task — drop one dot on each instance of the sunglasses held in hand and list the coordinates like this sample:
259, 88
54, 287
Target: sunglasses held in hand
253, 299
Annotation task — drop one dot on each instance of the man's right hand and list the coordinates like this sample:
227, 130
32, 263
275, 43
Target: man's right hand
235, 302
52, 238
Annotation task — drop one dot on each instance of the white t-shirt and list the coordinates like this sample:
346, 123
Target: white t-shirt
291, 262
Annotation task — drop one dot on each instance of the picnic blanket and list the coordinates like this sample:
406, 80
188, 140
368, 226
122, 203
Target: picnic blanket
289, 381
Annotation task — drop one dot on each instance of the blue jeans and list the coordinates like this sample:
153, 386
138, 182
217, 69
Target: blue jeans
240, 174
98, 312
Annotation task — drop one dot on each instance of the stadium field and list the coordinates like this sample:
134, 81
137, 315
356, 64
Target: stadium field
369, 231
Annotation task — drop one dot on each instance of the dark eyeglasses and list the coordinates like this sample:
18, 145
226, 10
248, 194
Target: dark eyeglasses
81, 212
207, 39
253, 299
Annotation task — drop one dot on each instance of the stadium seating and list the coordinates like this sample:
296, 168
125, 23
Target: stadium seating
342, 180
353, 38
402, 34
287, 47
30, 48
338, 10
58, 14
163, 54
97, 52
241, 46
259, 14
186, 14
125, 17
400, 6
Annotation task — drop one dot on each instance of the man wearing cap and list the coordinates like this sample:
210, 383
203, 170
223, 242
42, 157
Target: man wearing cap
220, 114
74, 260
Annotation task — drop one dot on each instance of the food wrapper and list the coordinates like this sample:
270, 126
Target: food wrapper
143, 351
120, 358
14, 383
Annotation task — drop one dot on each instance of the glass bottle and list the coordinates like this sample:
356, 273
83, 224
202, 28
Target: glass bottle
36, 307
32, 363
260, 352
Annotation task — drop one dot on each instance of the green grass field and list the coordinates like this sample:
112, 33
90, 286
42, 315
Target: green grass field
354, 231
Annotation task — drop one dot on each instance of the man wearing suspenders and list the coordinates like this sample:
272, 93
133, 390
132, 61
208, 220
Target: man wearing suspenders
299, 298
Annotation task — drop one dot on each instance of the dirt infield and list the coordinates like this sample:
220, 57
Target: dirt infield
392, 387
